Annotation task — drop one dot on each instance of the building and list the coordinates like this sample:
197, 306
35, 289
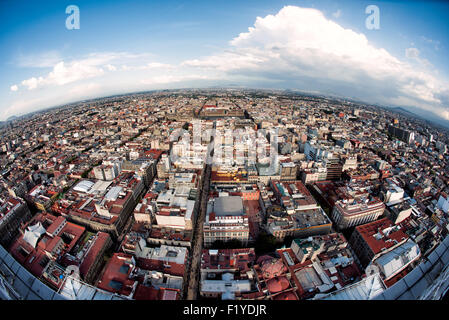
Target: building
107, 172
145, 168
320, 264
349, 213
122, 276
227, 273
443, 202
43, 241
399, 212
13, 213
165, 258
366, 289
300, 215
274, 281
371, 240
174, 208
93, 256
404, 135
334, 169
288, 171
41, 197
225, 220
396, 260
311, 175
299, 224
104, 205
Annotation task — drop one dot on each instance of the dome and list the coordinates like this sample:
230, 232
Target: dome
277, 284
272, 268
286, 296
263, 258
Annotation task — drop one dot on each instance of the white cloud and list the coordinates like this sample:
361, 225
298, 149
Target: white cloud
14, 87
308, 51
296, 48
412, 53
90, 66
33, 83
110, 67
164, 79
147, 66
156, 65
63, 73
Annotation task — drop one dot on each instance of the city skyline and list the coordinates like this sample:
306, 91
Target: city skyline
315, 46
223, 194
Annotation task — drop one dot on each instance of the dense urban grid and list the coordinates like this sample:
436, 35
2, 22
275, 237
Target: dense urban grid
231, 194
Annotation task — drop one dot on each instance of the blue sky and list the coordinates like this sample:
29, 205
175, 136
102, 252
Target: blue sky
319, 46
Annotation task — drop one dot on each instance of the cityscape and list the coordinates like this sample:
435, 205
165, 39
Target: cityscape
223, 192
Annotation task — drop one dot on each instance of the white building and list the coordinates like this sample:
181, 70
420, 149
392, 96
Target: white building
397, 259
225, 220
443, 203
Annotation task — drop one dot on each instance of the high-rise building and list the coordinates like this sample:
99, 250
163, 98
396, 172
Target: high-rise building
402, 134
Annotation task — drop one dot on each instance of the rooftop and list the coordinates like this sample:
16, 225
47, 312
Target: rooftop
381, 234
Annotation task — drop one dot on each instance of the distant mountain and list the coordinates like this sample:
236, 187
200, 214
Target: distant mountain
400, 109
423, 114
11, 118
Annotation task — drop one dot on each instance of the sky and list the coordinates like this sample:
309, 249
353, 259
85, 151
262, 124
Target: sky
316, 46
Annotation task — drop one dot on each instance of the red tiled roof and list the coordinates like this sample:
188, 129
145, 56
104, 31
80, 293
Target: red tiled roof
286, 296
367, 231
278, 284
112, 274
162, 266
74, 230
92, 255
52, 228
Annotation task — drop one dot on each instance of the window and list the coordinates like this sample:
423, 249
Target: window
116, 285
44, 261
23, 252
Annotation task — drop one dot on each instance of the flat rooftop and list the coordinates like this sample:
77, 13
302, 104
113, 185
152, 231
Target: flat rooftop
228, 206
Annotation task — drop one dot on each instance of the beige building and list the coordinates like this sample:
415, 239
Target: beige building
225, 220
350, 213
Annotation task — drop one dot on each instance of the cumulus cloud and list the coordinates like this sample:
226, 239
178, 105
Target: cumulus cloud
147, 66
308, 51
63, 73
156, 65
90, 66
414, 54
14, 87
296, 48
110, 67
